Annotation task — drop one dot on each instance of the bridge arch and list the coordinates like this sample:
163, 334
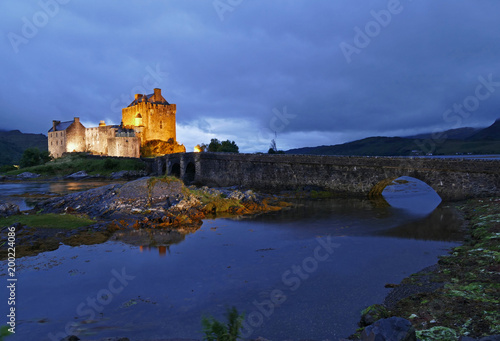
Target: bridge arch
163, 170
176, 170
190, 172
377, 190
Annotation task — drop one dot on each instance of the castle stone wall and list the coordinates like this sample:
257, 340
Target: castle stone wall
96, 139
75, 137
123, 146
57, 143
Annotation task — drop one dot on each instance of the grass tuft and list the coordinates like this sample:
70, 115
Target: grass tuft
50, 220
81, 162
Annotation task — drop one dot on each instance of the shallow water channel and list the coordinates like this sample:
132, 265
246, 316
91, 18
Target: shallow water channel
301, 273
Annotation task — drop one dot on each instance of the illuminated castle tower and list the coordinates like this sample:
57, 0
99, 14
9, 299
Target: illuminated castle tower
151, 116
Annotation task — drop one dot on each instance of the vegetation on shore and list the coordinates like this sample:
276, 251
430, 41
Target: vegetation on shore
49, 220
75, 162
468, 280
215, 330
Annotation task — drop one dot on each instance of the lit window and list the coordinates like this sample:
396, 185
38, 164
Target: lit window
138, 120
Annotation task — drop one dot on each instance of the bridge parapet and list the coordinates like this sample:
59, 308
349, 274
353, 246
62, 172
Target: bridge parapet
452, 179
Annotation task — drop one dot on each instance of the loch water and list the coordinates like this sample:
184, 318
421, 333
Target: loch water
300, 273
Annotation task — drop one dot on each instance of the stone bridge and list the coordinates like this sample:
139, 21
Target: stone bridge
452, 179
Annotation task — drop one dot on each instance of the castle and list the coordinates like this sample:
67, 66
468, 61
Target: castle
148, 119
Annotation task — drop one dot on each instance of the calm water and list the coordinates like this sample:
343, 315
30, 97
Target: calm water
296, 274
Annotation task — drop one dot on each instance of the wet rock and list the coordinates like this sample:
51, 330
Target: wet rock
137, 189
393, 328
187, 203
78, 175
162, 191
127, 175
27, 175
94, 202
373, 313
8, 209
490, 338
250, 196
484, 338
71, 338
236, 195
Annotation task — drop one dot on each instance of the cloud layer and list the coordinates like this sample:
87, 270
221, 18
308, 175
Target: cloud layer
314, 73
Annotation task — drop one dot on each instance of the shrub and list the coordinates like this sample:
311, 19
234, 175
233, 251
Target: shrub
34, 157
216, 331
224, 146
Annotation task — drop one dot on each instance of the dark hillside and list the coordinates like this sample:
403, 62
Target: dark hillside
13, 143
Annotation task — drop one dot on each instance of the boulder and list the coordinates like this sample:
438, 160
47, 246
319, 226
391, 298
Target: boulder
27, 175
187, 203
71, 338
77, 175
8, 209
373, 313
490, 338
393, 328
127, 175
137, 189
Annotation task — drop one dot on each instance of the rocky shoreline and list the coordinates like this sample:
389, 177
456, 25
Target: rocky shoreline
161, 204
456, 299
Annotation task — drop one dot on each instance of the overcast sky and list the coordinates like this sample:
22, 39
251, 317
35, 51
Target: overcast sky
313, 72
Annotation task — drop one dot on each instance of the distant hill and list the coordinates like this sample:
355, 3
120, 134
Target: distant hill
454, 134
490, 133
458, 141
13, 143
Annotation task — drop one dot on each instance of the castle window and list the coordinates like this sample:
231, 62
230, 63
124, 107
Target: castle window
161, 124
138, 120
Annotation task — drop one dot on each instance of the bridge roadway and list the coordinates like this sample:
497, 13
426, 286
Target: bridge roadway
452, 179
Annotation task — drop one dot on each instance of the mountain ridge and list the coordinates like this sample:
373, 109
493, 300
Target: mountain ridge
449, 142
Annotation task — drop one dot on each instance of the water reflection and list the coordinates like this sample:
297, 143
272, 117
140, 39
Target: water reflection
411, 195
162, 249
442, 224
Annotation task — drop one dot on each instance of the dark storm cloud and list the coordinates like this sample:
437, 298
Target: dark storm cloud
264, 57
